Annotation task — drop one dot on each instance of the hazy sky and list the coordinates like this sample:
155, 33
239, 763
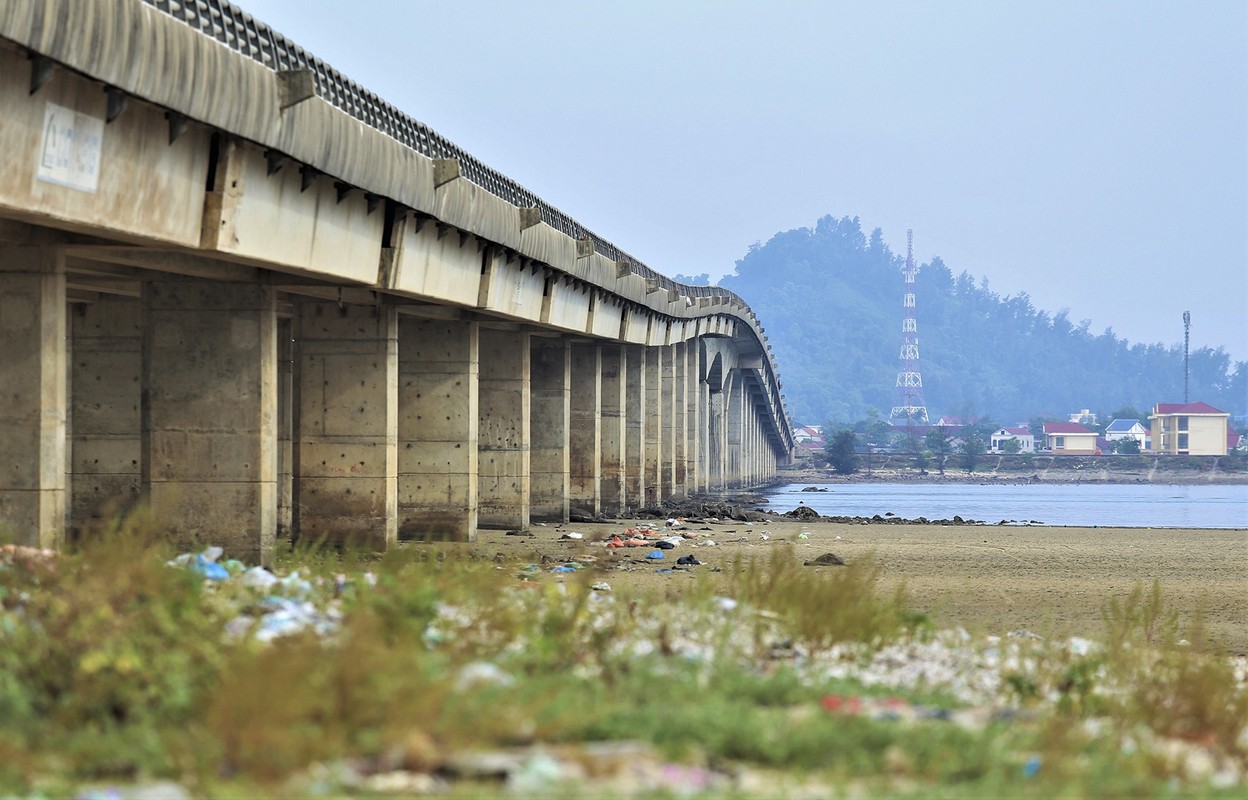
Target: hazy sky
1094, 155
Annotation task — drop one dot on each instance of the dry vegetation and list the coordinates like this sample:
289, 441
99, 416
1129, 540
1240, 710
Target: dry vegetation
766, 678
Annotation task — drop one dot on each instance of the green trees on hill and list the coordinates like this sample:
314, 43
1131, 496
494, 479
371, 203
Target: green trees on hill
830, 300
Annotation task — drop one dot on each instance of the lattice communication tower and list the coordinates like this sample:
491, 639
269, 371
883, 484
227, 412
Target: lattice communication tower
909, 407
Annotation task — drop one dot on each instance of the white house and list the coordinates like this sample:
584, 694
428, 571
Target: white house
1026, 441
1128, 429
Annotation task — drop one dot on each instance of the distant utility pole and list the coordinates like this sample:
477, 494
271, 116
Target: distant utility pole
1187, 340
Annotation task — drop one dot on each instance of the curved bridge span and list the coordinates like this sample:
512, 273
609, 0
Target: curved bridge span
241, 287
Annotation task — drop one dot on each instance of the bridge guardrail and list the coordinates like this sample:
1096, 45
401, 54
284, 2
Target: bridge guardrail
242, 33
238, 30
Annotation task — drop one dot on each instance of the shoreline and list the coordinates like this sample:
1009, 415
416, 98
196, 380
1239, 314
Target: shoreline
1050, 476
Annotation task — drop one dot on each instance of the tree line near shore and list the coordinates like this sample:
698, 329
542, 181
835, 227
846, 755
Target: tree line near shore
830, 299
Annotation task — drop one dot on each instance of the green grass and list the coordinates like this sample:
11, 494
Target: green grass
115, 667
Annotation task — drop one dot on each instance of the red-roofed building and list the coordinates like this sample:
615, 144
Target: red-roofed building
1069, 438
1189, 429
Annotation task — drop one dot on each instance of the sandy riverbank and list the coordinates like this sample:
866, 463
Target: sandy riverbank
996, 579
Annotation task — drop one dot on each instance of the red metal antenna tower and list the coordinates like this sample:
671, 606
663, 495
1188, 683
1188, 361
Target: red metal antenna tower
909, 407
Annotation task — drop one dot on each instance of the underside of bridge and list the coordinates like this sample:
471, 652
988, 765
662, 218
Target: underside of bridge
232, 288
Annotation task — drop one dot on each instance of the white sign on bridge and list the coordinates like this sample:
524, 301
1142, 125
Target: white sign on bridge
69, 154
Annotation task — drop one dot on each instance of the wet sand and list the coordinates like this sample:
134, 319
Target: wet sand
986, 578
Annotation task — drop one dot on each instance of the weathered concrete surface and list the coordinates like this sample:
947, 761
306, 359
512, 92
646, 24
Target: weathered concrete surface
33, 397
106, 375
438, 429
503, 429
549, 428
636, 419
346, 425
585, 434
133, 185
612, 429
209, 418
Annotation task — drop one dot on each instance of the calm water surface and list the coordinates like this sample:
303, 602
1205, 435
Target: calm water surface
1104, 505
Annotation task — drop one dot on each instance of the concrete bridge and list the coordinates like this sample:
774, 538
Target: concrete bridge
245, 289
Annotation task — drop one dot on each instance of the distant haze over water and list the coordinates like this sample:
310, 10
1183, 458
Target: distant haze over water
1090, 505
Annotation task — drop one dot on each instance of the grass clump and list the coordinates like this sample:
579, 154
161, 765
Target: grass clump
822, 606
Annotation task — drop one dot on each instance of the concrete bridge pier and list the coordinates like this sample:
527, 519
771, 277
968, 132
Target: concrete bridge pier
345, 445
636, 418
550, 430
105, 453
438, 424
209, 413
733, 417
585, 429
504, 394
613, 428
669, 457
33, 392
695, 478
653, 409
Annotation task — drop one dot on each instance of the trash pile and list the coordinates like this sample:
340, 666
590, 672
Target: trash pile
271, 606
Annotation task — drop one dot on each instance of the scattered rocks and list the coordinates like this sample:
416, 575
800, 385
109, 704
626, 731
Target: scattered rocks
804, 513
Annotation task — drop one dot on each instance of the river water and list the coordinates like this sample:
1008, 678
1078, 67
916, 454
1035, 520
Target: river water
1103, 505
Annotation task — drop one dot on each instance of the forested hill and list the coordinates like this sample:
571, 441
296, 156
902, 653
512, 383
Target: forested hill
831, 301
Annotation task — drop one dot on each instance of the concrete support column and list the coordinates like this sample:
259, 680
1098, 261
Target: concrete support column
635, 419
105, 372
209, 414
33, 395
680, 421
667, 367
346, 433
586, 433
715, 441
438, 419
654, 427
503, 429
285, 426
614, 359
695, 480
754, 444
747, 444
549, 459
735, 423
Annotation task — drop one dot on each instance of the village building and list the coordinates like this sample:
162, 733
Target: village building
1189, 429
1026, 441
1069, 438
1129, 429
